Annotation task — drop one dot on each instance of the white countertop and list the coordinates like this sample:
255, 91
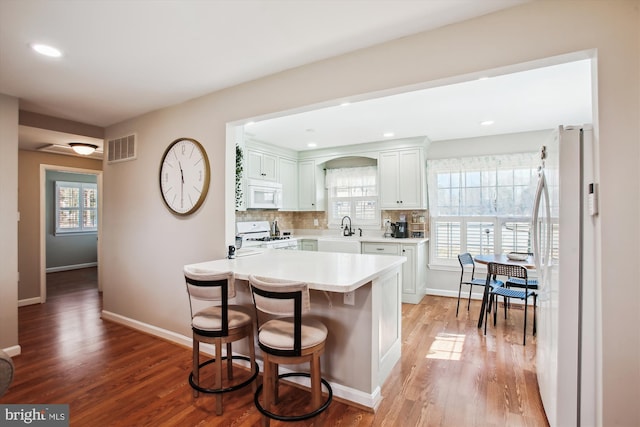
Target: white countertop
371, 239
323, 271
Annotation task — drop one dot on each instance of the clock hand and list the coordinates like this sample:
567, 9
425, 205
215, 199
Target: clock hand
181, 185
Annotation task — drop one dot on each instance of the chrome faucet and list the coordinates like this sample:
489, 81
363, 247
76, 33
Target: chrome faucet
347, 230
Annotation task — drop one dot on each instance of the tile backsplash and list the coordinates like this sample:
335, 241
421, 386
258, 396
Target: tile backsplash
305, 220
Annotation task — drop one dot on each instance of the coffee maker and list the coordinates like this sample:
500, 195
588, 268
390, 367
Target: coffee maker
400, 229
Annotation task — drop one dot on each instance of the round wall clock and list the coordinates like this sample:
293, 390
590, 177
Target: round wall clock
184, 176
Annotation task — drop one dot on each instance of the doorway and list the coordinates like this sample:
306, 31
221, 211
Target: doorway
49, 173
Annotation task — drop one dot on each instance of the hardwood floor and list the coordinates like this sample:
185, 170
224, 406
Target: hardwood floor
449, 375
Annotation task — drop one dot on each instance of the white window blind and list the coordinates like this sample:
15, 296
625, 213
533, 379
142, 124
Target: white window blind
353, 192
76, 207
481, 204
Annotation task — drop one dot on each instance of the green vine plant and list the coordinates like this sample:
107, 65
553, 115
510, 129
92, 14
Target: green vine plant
239, 169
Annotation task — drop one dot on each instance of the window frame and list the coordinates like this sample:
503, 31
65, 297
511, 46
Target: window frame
81, 208
450, 178
374, 223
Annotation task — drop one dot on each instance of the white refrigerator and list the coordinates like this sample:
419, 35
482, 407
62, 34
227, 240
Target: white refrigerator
564, 248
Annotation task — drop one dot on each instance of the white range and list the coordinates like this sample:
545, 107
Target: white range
258, 234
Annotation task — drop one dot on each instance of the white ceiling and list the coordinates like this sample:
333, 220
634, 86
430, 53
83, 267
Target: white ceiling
536, 99
125, 58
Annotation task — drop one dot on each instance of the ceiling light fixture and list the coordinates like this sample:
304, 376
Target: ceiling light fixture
487, 123
388, 134
83, 148
46, 50
312, 144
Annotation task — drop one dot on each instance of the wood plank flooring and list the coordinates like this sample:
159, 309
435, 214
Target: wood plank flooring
450, 373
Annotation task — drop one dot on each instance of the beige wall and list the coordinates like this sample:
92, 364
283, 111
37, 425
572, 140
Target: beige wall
145, 246
9, 223
29, 205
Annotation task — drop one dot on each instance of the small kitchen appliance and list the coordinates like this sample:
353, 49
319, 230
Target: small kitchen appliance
400, 229
264, 194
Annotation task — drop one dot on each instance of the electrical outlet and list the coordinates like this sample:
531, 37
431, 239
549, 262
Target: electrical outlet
315, 222
350, 298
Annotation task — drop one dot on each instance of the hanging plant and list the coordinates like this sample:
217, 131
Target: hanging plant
239, 169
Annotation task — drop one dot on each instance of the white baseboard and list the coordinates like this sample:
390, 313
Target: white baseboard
452, 294
463, 296
358, 397
71, 267
149, 329
13, 351
29, 301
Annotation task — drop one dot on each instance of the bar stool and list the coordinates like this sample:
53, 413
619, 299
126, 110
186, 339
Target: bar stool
218, 324
286, 337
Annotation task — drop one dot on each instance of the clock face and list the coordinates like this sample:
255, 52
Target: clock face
184, 176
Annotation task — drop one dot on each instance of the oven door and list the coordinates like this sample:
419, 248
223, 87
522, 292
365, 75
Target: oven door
286, 244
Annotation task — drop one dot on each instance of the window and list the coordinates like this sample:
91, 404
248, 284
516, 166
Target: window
482, 205
76, 207
353, 192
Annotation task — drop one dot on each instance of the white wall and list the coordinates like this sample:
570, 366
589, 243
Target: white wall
487, 145
9, 224
145, 246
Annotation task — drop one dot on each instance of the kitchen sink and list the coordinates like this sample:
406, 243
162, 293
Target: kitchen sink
343, 244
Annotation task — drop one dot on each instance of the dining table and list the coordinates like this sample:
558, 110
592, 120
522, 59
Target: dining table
525, 261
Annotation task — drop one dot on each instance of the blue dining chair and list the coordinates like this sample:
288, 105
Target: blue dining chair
468, 266
515, 271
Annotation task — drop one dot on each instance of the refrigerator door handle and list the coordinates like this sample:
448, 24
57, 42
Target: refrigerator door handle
535, 218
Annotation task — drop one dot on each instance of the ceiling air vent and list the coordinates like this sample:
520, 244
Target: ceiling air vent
121, 149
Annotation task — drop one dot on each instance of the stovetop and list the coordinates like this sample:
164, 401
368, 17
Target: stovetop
268, 238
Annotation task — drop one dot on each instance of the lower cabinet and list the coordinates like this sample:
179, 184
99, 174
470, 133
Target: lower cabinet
308, 245
414, 271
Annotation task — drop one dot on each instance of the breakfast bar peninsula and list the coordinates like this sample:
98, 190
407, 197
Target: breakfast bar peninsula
357, 296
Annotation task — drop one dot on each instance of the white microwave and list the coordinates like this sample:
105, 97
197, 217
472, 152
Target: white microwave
264, 194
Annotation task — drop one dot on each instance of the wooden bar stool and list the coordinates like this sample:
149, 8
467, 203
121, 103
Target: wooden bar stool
286, 337
218, 324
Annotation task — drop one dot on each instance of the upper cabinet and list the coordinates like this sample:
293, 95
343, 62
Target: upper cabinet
289, 179
310, 187
402, 179
262, 165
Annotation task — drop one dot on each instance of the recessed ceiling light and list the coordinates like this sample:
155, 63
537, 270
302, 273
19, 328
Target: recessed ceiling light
311, 144
388, 134
344, 104
46, 50
487, 123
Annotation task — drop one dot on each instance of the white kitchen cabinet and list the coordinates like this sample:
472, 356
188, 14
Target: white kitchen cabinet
289, 179
310, 187
414, 271
262, 165
402, 179
308, 245
380, 248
